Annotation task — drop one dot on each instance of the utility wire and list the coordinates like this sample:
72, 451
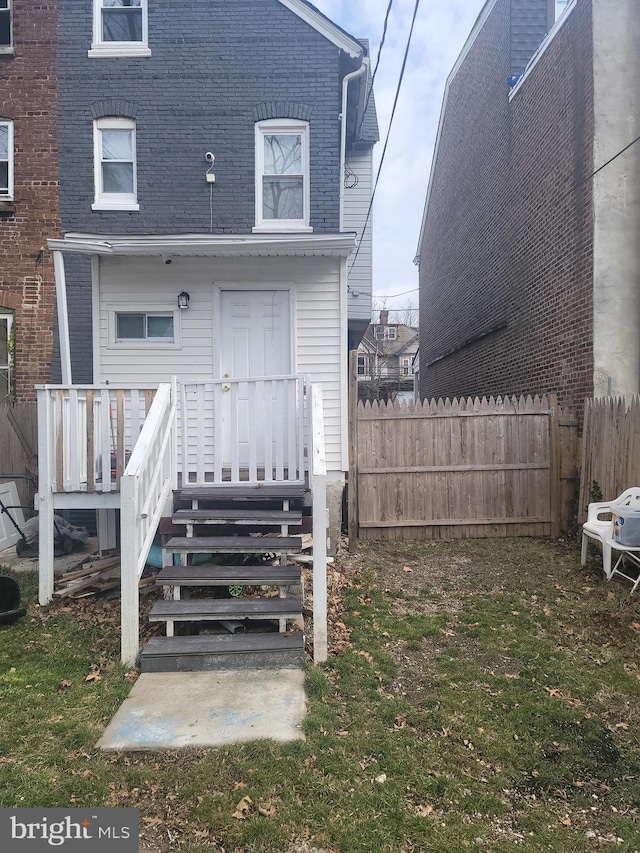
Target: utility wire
386, 142
375, 70
600, 168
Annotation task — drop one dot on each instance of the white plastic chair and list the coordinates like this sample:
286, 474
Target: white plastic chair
602, 531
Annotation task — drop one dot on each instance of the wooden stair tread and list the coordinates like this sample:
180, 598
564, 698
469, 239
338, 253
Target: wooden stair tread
233, 544
213, 644
275, 491
249, 516
225, 575
226, 608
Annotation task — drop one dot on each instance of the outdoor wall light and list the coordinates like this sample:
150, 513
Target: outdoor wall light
183, 299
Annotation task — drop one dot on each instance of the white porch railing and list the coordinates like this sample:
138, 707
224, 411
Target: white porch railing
318, 484
90, 433
145, 489
243, 430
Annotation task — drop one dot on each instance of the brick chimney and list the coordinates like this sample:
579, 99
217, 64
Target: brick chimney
384, 318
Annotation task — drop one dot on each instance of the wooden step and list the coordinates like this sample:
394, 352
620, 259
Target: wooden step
270, 491
255, 517
215, 609
228, 575
223, 651
233, 544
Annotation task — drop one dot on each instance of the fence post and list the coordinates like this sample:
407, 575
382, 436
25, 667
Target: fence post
46, 467
352, 488
555, 483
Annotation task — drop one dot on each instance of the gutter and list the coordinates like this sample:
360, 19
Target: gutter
364, 68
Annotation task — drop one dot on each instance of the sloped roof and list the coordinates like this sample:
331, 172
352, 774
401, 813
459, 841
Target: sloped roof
325, 26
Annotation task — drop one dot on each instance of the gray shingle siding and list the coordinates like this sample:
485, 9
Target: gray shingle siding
216, 68
530, 22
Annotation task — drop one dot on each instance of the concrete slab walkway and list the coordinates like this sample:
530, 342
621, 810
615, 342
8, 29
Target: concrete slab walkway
170, 710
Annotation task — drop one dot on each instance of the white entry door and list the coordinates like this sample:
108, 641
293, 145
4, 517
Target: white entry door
255, 341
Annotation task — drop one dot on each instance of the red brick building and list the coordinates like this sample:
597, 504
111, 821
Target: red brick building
28, 193
519, 264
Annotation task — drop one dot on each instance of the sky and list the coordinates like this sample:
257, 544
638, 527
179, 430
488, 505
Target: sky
441, 29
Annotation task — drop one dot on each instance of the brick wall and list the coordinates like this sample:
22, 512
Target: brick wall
216, 68
507, 258
28, 97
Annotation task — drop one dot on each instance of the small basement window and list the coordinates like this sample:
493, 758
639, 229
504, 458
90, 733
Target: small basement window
145, 327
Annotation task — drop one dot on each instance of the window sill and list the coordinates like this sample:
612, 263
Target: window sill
7, 50
115, 205
122, 51
282, 228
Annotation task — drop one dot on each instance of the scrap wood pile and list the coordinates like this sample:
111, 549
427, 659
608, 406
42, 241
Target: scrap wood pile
96, 577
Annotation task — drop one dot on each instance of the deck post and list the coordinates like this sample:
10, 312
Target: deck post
44, 499
129, 592
63, 317
319, 497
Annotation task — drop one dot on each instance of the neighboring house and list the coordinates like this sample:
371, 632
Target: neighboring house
385, 359
210, 214
529, 265
28, 194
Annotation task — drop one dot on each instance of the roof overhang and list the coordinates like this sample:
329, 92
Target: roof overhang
208, 245
325, 27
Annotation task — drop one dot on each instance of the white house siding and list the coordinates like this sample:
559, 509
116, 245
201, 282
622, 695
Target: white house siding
356, 205
149, 284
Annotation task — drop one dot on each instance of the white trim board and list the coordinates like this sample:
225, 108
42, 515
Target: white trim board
542, 48
208, 245
325, 27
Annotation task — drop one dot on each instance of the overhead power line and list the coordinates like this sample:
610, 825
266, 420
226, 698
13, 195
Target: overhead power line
386, 142
375, 70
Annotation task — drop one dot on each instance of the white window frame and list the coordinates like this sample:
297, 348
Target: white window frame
561, 6
162, 310
107, 49
8, 316
8, 196
113, 201
275, 127
386, 333
8, 48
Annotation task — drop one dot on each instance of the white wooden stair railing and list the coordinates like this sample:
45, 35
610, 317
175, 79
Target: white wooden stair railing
318, 484
145, 489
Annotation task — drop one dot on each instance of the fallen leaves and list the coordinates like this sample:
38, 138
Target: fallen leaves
243, 808
65, 684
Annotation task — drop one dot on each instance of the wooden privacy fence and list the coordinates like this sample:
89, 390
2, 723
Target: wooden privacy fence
18, 448
610, 449
459, 469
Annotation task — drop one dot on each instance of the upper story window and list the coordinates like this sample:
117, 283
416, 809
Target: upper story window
561, 5
6, 35
282, 175
115, 164
385, 333
120, 28
6, 160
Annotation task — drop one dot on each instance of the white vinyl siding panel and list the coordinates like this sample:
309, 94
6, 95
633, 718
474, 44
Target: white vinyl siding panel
356, 205
149, 282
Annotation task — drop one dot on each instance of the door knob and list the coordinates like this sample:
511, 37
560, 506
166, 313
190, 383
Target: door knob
226, 387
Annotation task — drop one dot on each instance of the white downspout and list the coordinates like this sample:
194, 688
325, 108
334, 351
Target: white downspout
343, 129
